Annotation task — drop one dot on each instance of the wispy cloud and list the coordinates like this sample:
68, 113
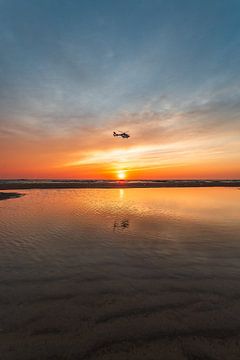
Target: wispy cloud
168, 74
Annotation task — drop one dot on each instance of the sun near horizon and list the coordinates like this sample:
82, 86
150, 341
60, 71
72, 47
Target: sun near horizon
121, 175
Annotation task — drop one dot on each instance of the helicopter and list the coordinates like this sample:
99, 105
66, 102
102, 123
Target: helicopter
123, 134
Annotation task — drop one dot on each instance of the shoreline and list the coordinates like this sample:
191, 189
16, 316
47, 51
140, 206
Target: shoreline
55, 184
7, 196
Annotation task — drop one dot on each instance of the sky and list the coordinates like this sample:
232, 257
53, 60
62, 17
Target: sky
73, 71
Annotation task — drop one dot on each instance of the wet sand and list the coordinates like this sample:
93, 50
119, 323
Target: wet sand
11, 195
103, 318
125, 275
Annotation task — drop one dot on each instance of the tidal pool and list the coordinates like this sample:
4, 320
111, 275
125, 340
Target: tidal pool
120, 274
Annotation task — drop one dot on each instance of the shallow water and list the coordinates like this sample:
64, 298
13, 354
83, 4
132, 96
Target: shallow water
129, 268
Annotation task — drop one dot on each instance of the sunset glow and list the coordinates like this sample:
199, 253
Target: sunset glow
173, 85
121, 174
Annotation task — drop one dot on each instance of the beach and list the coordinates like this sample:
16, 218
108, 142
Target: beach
112, 184
9, 195
119, 180
150, 273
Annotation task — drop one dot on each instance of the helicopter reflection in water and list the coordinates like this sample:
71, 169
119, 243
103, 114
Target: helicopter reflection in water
120, 225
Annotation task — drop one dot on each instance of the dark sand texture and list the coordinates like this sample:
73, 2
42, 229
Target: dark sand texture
128, 318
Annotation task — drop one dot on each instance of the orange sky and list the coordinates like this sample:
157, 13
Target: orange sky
161, 150
164, 71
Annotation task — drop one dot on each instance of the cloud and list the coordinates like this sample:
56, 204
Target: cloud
168, 74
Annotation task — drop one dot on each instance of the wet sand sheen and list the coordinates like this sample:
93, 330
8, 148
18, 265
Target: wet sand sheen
120, 274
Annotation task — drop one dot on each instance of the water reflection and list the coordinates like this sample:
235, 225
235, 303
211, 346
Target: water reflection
121, 194
169, 271
52, 229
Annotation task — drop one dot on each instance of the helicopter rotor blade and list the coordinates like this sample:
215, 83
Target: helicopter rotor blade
122, 132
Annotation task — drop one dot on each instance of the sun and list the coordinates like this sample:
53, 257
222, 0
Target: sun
121, 174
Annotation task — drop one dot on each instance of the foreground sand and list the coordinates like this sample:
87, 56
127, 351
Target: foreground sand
124, 318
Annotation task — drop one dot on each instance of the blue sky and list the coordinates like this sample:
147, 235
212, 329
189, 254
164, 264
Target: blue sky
69, 64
